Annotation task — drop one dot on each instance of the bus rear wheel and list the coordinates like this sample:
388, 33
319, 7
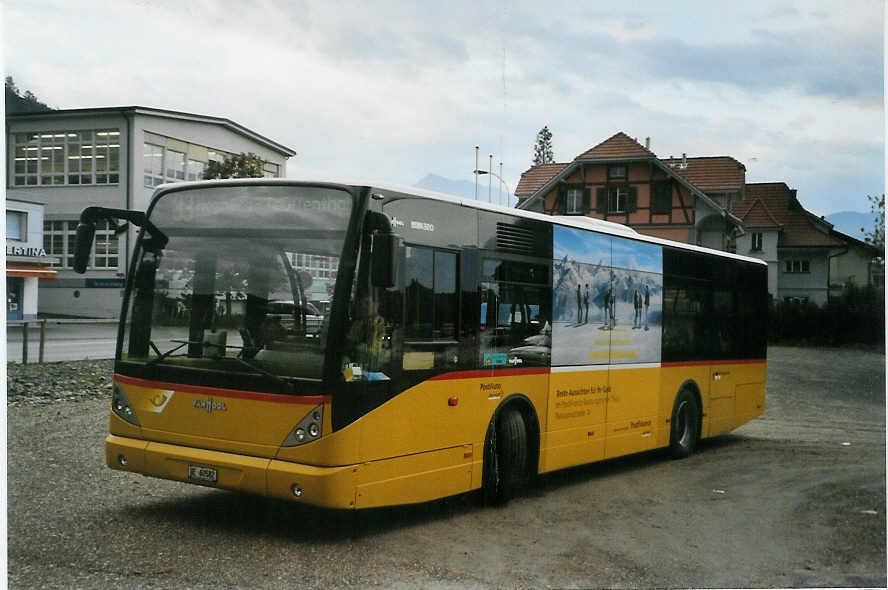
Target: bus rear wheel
505, 457
685, 425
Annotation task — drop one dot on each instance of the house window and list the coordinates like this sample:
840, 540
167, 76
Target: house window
16, 225
67, 157
795, 300
797, 266
616, 172
661, 198
574, 204
617, 199
59, 238
756, 241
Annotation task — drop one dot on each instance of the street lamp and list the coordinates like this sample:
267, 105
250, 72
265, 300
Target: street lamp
497, 176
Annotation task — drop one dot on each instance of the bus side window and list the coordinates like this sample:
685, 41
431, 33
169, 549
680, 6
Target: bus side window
432, 308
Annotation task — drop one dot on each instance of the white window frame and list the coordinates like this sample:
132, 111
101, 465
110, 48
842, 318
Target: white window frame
574, 201
153, 167
617, 197
76, 157
105, 253
22, 217
757, 240
797, 266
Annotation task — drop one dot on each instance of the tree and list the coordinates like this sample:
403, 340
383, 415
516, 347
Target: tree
16, 102
876, 236
542, 150
237, 166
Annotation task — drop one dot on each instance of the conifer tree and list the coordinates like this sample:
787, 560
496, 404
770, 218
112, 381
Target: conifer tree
542, 150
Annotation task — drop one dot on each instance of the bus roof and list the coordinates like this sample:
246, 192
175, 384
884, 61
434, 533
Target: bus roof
576, 221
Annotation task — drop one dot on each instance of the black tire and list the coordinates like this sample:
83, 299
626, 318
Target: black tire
505, 457
685, 425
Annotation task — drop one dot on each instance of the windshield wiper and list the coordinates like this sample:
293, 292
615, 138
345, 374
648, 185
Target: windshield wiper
287, 385
162, 355
276, 379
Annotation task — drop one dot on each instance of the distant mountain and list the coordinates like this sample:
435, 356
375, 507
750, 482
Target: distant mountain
850, 222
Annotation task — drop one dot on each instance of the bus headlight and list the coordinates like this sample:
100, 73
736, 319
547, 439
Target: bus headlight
121, 406
309, 428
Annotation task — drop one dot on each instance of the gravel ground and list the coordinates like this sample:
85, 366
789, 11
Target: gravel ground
46, 383
793, 499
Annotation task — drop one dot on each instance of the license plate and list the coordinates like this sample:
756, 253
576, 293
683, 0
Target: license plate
205, 474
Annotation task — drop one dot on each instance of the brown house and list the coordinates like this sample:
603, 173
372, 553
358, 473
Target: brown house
686, 200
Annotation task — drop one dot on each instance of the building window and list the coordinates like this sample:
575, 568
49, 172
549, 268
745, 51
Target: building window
798, 266
757, 239
196, 170
574, 201
59, 238
16, 225
661, 198
270, 170
72, 157
153, 158
175, 165
795, 300
616, 172
617, 199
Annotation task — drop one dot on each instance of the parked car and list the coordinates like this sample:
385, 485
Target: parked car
288, 314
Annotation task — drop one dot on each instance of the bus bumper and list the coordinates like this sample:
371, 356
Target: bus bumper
332, 487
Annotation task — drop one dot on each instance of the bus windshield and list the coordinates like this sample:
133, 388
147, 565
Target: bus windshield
238, 286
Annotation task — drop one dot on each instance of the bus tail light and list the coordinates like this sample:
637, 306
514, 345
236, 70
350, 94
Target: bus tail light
121, 406
309, 428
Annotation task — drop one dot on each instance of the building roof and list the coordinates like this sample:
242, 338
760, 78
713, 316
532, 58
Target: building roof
617, 148
130, 110
535, 177
800, 228
618, 145
711, 173
755, 214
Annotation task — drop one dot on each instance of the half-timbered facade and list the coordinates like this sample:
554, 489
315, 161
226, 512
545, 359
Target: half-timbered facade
622, 181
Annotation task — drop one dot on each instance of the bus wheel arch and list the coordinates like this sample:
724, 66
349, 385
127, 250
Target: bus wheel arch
686, 420
514, 421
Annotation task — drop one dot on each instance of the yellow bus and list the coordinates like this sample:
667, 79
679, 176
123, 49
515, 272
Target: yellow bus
460, 346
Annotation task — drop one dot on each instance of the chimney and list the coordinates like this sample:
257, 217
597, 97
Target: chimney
647, 143
684, 160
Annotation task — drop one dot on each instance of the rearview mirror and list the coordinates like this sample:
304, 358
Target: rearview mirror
83, 246
384, 259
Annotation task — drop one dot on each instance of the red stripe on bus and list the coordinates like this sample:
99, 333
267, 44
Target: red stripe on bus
236, 393
708, 363
491, 373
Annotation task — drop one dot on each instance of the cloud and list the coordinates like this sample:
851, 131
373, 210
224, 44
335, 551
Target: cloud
393, 90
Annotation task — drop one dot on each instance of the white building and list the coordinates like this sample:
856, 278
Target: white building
26, 259
111, 157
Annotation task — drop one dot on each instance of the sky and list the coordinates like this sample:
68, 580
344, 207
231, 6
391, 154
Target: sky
392, 91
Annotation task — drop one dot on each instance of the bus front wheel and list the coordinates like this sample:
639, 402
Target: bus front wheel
685, 425
505, 457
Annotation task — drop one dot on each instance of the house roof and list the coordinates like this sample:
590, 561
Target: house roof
618, 145
711, 173
534, 178
755, 213
129, 110
800, 228
617, 148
